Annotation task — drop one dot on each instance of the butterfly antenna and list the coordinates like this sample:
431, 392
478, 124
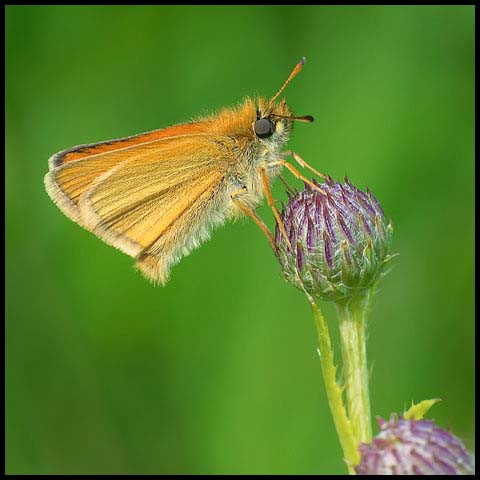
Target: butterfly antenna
303, 118
296, 70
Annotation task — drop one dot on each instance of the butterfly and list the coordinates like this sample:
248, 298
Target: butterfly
157, 196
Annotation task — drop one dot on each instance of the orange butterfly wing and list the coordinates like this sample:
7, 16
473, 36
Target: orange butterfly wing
65, 189
153, 196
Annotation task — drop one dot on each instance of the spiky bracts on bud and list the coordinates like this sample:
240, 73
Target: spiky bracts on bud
414, 447
339, 237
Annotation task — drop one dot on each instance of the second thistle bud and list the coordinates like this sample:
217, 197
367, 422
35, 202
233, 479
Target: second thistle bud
338, 240
414, 447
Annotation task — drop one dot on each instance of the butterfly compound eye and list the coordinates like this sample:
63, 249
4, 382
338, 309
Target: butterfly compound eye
263, 128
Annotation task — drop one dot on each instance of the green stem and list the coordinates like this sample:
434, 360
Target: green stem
334, 392
352, 316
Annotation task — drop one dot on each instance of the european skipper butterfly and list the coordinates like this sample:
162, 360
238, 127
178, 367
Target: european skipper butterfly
157, 195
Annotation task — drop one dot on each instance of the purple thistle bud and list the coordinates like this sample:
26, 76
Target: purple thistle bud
344, 239
414, 447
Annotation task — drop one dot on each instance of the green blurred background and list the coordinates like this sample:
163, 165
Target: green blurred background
218, 371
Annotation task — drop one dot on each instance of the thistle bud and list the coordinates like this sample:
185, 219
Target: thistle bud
338, 240
414, 447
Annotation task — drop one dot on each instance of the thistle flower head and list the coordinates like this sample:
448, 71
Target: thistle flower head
414, 447
338, 240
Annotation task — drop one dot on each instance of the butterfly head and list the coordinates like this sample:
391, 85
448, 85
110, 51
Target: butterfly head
274, 120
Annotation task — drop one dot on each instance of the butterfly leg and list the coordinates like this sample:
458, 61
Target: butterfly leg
291, 191
303, 163
271, 203
297, 174
252, 214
